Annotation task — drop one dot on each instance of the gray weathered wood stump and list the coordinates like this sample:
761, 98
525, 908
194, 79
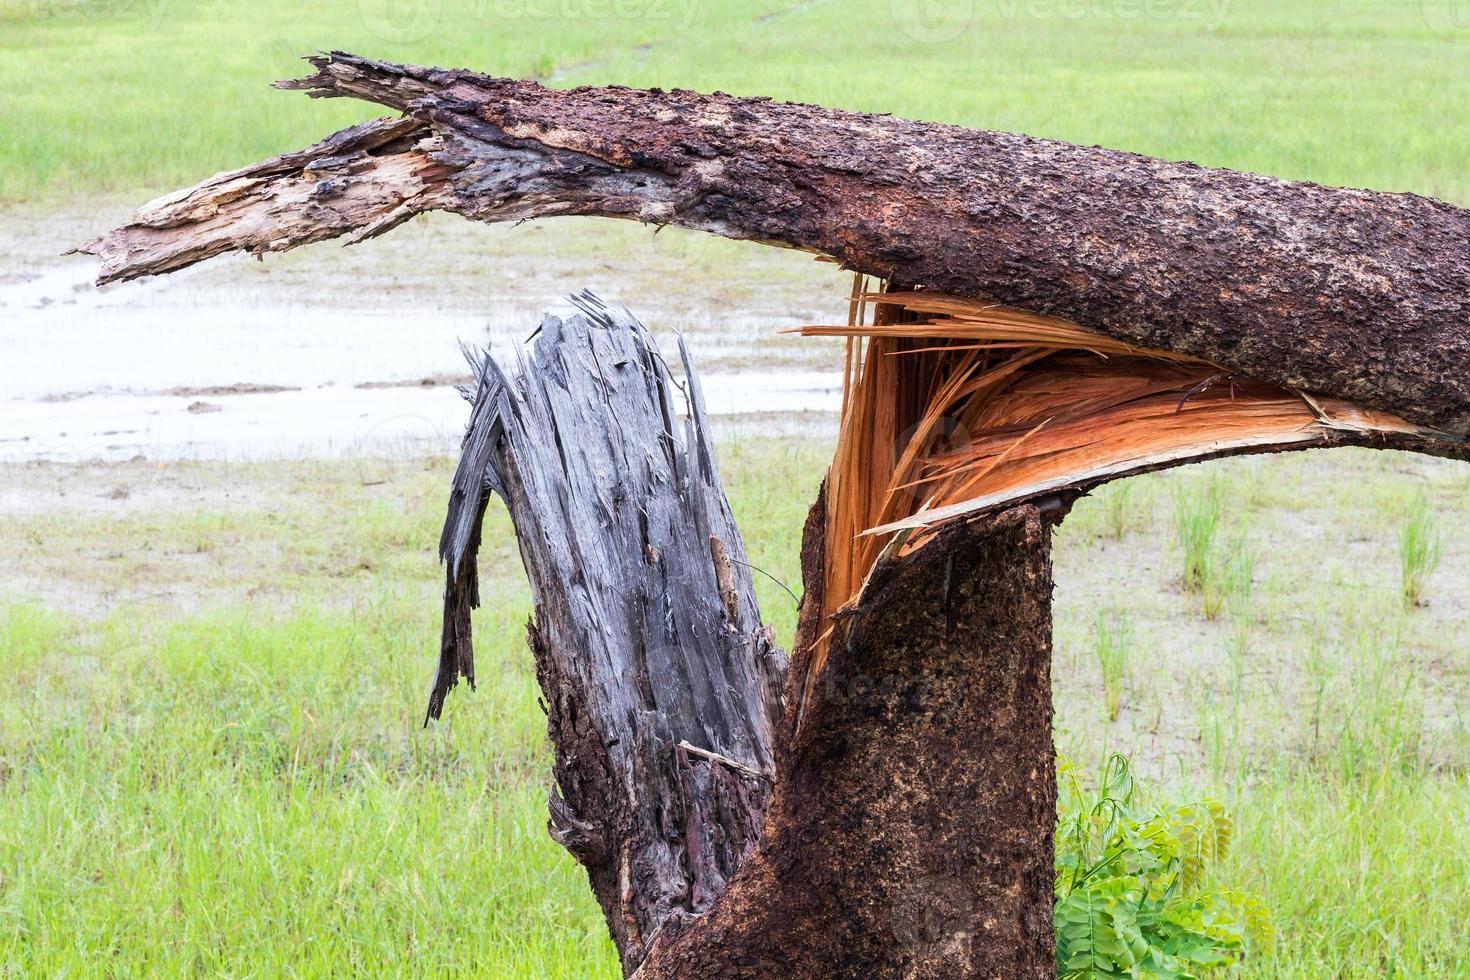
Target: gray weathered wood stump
890, 846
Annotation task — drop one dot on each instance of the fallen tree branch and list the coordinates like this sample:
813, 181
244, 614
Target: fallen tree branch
1355, 294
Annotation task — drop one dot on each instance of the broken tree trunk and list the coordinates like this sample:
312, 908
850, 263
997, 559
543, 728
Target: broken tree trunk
911, 830
1067, 316
889, 849
662, 686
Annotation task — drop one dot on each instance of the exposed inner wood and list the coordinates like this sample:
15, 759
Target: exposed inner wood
955, 407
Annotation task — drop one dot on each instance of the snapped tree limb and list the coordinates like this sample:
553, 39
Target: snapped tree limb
1359, 295
887, 849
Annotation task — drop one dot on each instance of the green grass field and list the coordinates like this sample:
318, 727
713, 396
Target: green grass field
243, 787
211, 759
212, 676
129, 95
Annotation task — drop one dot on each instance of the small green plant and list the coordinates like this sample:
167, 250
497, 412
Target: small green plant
1321, 669
1216, 578
1237, 648
1117, 512
1196, 521
1379, 731
1227, 580
1420, 549
1134, 891
1114, 640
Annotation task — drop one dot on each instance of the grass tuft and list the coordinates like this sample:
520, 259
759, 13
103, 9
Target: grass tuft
1197, 510
1113, 643
1421, 548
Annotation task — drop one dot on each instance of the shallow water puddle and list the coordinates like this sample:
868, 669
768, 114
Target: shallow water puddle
188, 367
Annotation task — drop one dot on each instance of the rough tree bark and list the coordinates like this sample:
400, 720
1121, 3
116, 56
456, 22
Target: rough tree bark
908, 830
1356, 294
894, 847
890, 848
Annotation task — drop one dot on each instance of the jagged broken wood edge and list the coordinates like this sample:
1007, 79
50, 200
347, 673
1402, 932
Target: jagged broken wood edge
662, 685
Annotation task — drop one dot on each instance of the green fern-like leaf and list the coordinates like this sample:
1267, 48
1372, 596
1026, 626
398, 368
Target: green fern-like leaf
1260, 928
1132, 893
1204, 830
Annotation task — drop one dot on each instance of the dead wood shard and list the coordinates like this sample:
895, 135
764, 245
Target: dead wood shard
607, 467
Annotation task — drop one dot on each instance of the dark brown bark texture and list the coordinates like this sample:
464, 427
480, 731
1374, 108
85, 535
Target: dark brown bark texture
662, 686
893, 847
896, 845
1350, 293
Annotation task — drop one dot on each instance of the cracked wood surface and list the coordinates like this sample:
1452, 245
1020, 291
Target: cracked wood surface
662, 685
